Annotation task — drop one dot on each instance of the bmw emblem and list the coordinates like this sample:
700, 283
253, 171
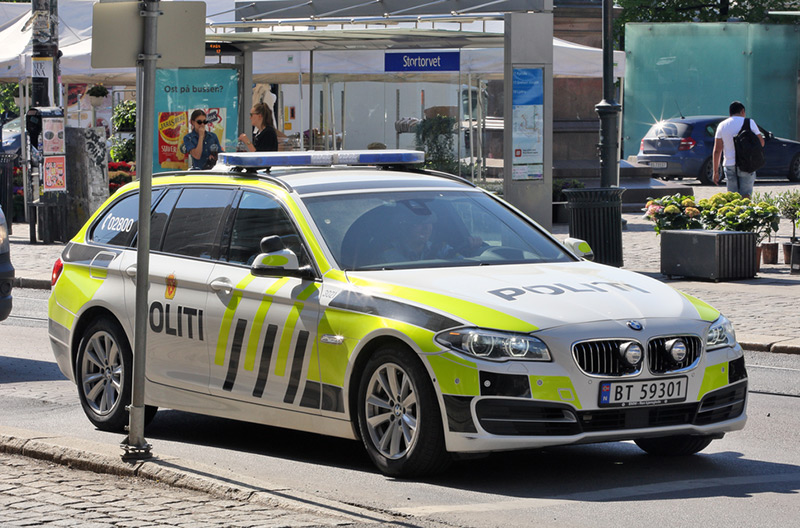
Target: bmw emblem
635, 325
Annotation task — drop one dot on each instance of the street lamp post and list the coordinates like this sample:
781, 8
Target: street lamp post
608, 109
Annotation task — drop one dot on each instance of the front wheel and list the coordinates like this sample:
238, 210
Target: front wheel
103, 374
706, 174
398, 416
794, 169
683, 445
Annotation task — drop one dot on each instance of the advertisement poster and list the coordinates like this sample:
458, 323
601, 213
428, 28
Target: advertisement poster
179, 92
53, 135
527, 121
55, 172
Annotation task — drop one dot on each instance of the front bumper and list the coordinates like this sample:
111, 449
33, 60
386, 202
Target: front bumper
523, 405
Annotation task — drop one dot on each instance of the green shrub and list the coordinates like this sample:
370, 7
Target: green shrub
123, 117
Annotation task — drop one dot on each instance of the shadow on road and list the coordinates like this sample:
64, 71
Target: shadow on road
17, 370
596, 472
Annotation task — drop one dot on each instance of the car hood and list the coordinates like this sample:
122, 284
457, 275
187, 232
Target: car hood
534, 296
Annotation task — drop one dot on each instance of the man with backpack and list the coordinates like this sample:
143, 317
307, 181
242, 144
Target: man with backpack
742, 146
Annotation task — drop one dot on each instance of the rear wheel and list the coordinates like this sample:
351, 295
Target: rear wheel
706, 174
398, 415
674, 445
794, 169
103, 371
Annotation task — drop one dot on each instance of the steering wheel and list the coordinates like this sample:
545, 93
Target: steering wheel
502, 252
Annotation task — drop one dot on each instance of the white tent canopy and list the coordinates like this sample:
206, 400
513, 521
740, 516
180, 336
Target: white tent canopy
75, 18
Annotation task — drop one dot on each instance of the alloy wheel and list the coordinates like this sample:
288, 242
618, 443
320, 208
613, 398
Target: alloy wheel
392, 411
102, 373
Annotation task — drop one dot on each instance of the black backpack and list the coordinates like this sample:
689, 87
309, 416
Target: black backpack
749, 152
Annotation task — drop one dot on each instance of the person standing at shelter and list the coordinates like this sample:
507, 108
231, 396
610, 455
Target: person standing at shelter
201, 145
736, 179
265, 137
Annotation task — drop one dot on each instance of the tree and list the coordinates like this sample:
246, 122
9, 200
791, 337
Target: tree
754, 11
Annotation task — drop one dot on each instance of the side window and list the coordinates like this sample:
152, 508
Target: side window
258, 216
196, 220
158, 220
118, 225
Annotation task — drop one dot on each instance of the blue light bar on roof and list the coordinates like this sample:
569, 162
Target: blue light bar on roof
322, 158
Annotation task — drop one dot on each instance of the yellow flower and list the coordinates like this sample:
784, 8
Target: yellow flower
672, 209
688, 202
691, 212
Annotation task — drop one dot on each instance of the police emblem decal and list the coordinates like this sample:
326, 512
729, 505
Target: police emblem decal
172, 286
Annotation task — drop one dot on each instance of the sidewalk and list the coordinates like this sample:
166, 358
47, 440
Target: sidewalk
765, 310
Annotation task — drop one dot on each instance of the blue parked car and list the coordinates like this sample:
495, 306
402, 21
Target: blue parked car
6, 270
12, 137
681, 148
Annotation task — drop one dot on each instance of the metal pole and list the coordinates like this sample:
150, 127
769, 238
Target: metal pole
608, 109
135, 446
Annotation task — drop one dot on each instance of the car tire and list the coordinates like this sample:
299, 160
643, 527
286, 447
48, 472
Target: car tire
706, 174
103, 372
398, 415
794, 169
674, 445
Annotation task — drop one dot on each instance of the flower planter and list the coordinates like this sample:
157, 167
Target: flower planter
769, 252
711, 255
96, 101
787, 253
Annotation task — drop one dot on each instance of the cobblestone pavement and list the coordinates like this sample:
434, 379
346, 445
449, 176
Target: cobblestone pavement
38, 493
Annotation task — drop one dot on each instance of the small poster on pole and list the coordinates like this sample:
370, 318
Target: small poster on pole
55, 173
53, 135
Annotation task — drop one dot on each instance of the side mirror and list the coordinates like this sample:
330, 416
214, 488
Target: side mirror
275, 260
580, 248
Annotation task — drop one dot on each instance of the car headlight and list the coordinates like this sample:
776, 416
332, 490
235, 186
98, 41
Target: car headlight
721, 334
498, 346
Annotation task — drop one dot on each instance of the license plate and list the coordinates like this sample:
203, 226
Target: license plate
658, 164
648, 392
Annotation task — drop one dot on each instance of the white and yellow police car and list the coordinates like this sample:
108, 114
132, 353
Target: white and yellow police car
350, 294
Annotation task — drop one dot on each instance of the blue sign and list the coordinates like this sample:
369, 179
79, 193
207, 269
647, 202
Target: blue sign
528, 86
422, 62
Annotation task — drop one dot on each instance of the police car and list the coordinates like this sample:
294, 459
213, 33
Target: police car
350, 294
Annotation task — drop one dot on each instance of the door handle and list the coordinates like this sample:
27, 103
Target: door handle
221, 285
131, 271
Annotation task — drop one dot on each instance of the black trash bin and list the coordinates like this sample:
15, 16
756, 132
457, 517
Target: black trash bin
7, 162
595, 215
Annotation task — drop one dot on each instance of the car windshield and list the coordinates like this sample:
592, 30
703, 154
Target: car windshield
411, 230
11, 128
668, 129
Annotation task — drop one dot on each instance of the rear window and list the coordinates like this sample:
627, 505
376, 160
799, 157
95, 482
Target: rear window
668, 129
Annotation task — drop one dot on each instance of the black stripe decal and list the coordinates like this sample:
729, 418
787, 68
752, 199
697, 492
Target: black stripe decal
311, 395
297, 367
236, 351
358, 302
83, 254
332, 398
266, 357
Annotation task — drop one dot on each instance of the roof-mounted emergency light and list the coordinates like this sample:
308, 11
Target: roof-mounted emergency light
323, 158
